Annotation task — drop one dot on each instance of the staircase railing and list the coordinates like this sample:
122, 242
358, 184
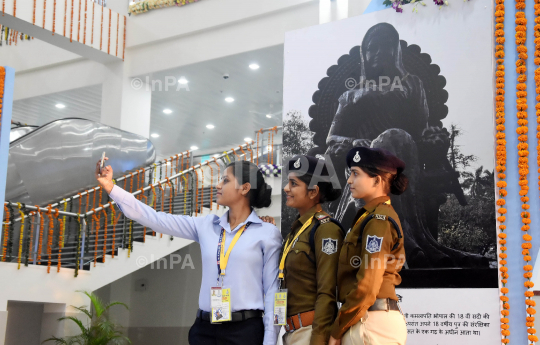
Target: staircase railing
74, 233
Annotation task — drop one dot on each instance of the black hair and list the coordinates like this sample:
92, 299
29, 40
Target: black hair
260, 195
396, 183
327, 191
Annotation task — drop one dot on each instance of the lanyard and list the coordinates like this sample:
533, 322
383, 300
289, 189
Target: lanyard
387, 202
222, 264
288, 246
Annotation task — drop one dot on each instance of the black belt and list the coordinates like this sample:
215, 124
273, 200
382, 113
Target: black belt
236, 315
386, 304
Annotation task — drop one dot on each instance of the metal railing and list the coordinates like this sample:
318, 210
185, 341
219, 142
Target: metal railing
59, 235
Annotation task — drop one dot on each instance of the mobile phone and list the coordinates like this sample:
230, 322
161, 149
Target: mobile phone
102, 160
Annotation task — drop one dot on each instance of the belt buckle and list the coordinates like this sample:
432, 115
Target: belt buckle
299, 321
287, 328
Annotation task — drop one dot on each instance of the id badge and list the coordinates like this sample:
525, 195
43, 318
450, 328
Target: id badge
280, 308
220, 302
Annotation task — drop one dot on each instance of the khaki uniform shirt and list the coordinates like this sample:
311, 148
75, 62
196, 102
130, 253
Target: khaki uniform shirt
310, 277
368, 267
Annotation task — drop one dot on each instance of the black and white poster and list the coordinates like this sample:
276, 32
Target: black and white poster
420, 85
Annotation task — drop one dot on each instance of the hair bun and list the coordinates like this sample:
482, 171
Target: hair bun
400, 184
263, 197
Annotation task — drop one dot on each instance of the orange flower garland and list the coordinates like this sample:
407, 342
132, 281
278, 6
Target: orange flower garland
93, 11
501, 165
6, 229
109, 41
60, 227
211, 185
124, 51
202, 189
95, 218
101, 32
54, 18
40, 240
44, 12
162, 205
65, 14
71, 27
196, 190
34, 15
21, 236
50, 238
117, 31
154, 204
105, 225
146, 202
243, 152
113, 223
84, 27
523, 160
79, 23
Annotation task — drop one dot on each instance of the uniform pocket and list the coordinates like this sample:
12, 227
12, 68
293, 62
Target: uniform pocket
303, 250
348, 254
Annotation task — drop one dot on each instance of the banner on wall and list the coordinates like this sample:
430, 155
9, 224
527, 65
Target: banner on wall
419, 85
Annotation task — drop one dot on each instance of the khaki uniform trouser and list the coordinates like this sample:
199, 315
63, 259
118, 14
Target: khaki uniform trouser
377, 328
301, 336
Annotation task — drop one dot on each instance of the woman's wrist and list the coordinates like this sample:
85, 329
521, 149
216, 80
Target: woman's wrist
108, 186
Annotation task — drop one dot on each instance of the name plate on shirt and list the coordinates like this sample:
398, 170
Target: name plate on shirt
280, 308
220, 301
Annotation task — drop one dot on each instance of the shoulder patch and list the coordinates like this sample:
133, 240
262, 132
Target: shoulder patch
380, 216
374, 244
322, 216
329, 246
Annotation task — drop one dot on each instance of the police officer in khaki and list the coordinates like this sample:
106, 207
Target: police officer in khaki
372, 254
311, 253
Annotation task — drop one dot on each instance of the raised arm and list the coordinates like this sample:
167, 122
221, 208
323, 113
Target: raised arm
175, 225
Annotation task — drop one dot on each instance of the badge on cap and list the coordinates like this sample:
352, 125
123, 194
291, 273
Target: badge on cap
297, 164
374, 244
329, 246
356, 157
319, 156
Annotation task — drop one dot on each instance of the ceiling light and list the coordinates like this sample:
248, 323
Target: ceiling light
210, 126
167, 111
254, 66
268, 115
247, 139
182, 80
61, 106
194, 148
229, 99
154, 135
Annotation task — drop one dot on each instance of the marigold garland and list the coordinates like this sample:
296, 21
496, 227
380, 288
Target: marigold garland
202, 189
71, 26
154, 204
6, 228
84, 26
113, 223
109, 40
79, 242
96, 229
44, 12
211, 185
196, 189
117, 31
40, 240
218, 173
21, 236
54, 18
101, 31
162, 204
523, 153
124, 51
61, 229
501, 165
243, 152
93, 11
105, 226
49, 237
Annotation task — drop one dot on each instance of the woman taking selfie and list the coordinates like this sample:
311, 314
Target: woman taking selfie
308, 266
372, 254
239, 252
